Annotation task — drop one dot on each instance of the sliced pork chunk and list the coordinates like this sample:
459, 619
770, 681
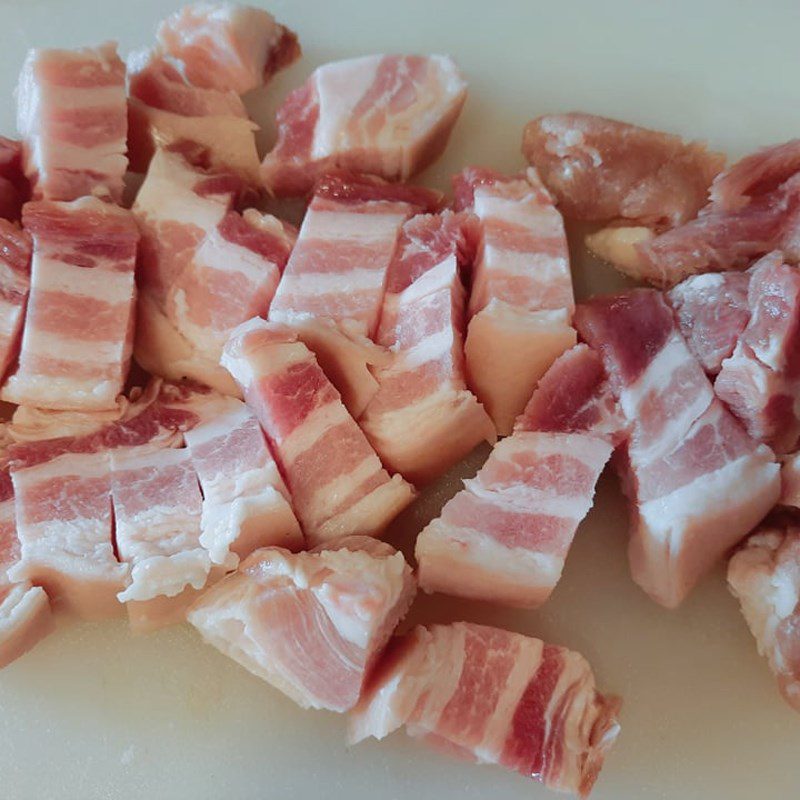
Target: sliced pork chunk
765, 577
15, 282
245, 502
760, 380
333, 286
521, 301
78, 334
312, 624
386, 115
601, 169
685, 450
72, 118
493, 697
338, 484
423, 387
712, 311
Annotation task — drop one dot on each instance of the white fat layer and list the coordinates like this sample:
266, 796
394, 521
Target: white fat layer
55, 276
315, 425
351, 227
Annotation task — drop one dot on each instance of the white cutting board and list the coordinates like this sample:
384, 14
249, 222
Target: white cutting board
96, 714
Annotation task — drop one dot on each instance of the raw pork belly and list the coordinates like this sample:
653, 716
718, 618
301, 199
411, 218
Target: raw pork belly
493, 697
712, 311
311, 624
765, 577
72, 118
14, 187
521, 301
423, 419
387, 115
505, 536
338, 484
332, 289
760, 380
685, 450
245, 502
15, 282
78, 335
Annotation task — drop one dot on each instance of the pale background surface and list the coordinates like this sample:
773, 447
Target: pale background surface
97, 714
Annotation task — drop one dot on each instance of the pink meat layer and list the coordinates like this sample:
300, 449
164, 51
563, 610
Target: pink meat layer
15, 282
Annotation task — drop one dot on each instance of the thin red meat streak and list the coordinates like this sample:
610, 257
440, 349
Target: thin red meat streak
78, 333
495, 697
312, 624
386, 115
15, 282
685, 449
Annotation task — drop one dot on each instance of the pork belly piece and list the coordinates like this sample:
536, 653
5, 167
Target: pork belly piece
72, 118
246, 504
333, 286
765, 577
14, 186
712, 311
312, 624
521, 301
493, 697
387, 115
601, 169
685, 452
227, 46
15, 283
423, 387
78, 334
760, 380
338, 484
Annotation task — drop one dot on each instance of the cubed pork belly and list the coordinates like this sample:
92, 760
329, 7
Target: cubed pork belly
72, 117
765, 577
246, 504
760, 380
14, 186
312, 624
333, 286
493, 697
78, 334
521, 300
685, 449
423, 387
336, 480
386, 115
15, 283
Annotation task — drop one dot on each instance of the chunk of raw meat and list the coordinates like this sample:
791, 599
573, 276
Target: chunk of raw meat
15, 282
765, 576
338, 484
685, 450
333, 286
245, 502
760, 380
311, 624
493, 697
712, 311
227, 46
387, 115
521, 300
423, 387
72, 117
78, 334
14, 187
601, 169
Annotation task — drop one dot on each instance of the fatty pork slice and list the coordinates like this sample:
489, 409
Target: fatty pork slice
72, 118
712, 311
765, 577
759, 382
246, 504
685, 452
15, 283
521, 301
493, 697
336, 480
78, 334
312, 624
333, 286
386, 115
423, 387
